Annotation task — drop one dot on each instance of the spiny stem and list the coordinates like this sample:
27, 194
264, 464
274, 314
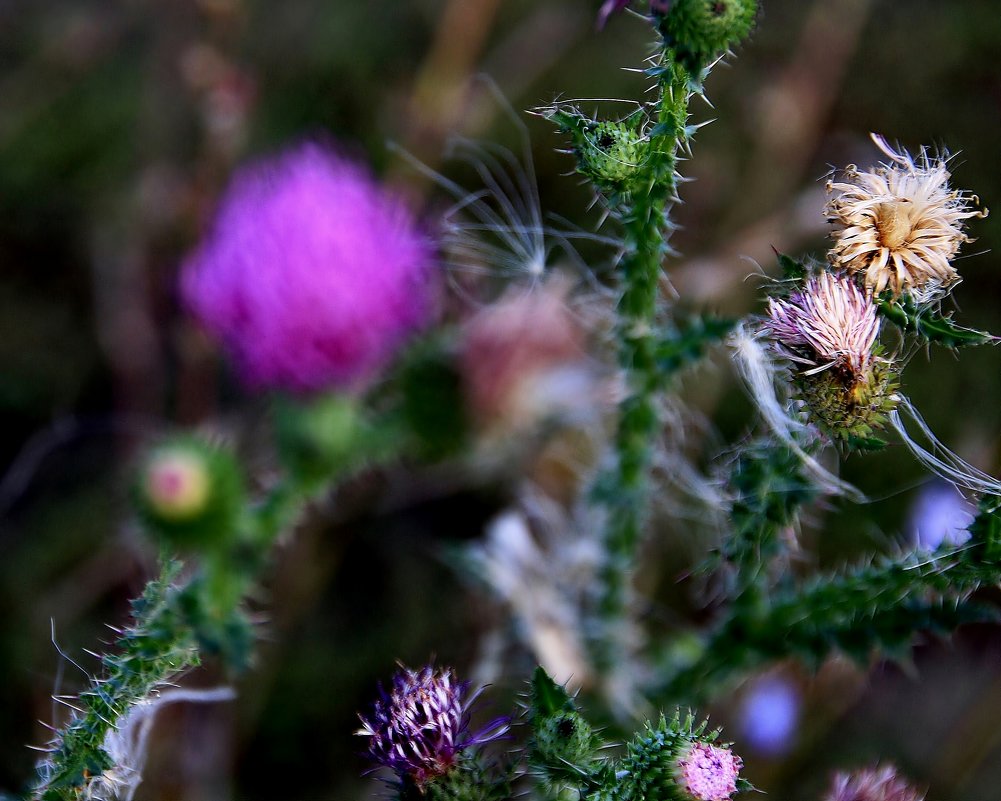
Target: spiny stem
623, 489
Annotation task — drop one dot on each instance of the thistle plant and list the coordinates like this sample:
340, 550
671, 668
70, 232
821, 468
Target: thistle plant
321, 286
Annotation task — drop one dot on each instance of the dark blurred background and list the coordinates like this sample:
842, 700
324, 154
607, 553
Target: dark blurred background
119, 124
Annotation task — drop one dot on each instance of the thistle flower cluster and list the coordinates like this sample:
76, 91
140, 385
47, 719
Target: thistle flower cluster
830, 328
419, 728
899, 225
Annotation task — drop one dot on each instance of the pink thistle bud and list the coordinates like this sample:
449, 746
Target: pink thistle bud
312, 275
177, 484
872, 784
708, 772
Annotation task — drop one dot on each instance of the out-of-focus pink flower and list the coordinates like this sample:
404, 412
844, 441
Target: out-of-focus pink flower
872, 784
311, 274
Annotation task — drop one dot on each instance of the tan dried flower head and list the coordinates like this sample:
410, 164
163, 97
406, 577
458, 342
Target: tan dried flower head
900, 225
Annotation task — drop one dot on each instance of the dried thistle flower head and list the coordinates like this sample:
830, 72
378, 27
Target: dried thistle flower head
419, 728
899, 225
830, 327
872, 784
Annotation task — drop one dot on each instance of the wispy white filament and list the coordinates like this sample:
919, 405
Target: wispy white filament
942, 461
758, 373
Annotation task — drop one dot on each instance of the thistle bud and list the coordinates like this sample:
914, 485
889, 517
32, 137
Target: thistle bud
189, 493
698, 31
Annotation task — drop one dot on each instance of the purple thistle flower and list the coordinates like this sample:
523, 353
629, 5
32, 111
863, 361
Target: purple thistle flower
419, 728
312, 275
872, 784
830, 321
707, 772
770, 715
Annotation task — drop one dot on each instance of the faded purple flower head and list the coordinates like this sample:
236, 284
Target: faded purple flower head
312, 274
830, 321
419, 728
708, 772
872, 784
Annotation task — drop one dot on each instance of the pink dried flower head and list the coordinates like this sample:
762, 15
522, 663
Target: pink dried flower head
312, 274
708, 772
524, 358
829, 323
872, 784
899, 225
419, 728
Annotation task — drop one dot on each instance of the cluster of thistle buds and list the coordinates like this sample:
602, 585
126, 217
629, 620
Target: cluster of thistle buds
897, 229
418, 730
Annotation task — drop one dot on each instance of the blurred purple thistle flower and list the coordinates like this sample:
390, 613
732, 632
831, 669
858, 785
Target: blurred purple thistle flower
419, 728
610, 7
312, 275
872, 784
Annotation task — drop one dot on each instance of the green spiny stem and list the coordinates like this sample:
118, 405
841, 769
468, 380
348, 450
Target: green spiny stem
769, 486
623, 488
876, 608
156, 648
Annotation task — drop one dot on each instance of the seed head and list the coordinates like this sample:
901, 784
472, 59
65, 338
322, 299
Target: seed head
899, 225
419, 728
312, 274
872, 784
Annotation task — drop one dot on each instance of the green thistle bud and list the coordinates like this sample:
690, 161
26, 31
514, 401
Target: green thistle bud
611, 155
678, 760
849, 404
190, 494
317, 438
698, 31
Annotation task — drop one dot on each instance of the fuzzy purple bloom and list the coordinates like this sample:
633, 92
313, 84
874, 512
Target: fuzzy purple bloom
419, 728
770, 715
312, 274
872, 784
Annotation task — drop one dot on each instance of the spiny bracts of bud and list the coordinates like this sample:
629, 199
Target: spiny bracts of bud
830, 328
680, 761
312, 274
872, 784
612, 155
899, 225
190, 493
699, 31
419, 728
